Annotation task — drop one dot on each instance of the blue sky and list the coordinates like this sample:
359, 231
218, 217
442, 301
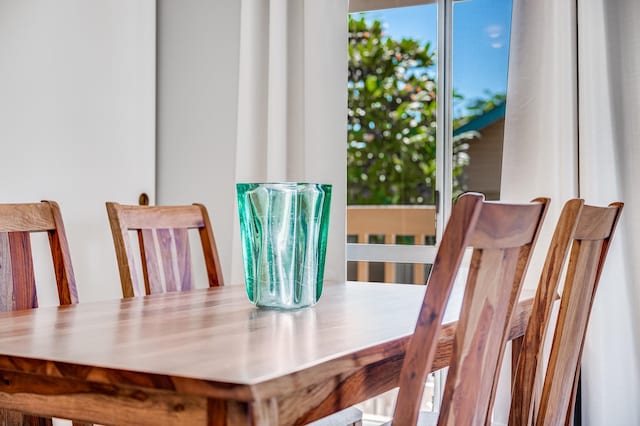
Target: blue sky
480, 40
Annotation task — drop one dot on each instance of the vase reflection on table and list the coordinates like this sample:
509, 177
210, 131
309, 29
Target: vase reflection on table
283, 227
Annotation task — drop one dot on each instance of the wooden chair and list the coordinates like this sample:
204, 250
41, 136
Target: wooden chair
167, 228
502, 237
588, 231
17, 279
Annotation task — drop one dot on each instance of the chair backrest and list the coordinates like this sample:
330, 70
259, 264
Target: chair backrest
164, 228
502, 237
17, 278
587, 230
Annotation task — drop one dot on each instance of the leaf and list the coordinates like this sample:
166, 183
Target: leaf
371, 83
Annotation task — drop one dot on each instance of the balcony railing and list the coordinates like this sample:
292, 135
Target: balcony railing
396, 224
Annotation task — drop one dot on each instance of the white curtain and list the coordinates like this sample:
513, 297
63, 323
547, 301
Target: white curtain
572, 129
609, 76
540, 148
292, 105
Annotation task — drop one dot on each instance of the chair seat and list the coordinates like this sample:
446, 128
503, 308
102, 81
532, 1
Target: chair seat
345, 417
426, 418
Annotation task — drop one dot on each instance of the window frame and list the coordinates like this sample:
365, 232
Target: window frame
397, 253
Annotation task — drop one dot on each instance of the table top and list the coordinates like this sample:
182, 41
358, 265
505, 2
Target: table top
212, 334
213, 341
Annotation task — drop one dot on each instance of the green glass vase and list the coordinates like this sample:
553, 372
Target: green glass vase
283, 227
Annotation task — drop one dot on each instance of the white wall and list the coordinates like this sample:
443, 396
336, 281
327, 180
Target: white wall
77, 120
198, 45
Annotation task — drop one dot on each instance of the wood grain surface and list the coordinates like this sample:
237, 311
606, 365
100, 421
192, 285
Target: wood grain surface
527, 366
164, 246
166, 355
17, 279
18, 289
585, 232
501, 236
35, 217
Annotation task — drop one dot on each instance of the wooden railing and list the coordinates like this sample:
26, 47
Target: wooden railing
418, 222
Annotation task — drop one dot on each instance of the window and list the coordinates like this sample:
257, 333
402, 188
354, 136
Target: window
427, 91
421, 129
393, 148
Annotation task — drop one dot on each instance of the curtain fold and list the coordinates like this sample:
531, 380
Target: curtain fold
540, 135
571, 130
292, 105
609, 105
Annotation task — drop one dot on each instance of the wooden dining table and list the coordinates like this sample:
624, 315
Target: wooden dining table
209, 357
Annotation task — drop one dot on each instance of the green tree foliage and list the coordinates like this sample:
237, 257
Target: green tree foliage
479, 106
392, 119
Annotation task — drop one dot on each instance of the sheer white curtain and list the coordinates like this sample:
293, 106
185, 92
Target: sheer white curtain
572, 129
609, 75
292, 105
540, 148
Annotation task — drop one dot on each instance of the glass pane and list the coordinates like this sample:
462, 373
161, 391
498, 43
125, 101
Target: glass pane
481, 33
391, 150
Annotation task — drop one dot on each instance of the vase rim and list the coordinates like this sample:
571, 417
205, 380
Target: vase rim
283, 183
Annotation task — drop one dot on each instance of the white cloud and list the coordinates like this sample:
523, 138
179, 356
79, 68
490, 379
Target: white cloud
494, 31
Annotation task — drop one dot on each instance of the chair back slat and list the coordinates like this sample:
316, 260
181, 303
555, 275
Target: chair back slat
502, 236
479, 336
150, 262
571, 328
183, 254
167, 255
164, 246
6, 279
22, 274
547, 397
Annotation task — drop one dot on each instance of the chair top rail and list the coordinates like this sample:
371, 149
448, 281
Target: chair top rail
503, 226
28, 217
153, 217
596, 223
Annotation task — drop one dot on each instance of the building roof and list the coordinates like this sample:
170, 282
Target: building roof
483, 120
